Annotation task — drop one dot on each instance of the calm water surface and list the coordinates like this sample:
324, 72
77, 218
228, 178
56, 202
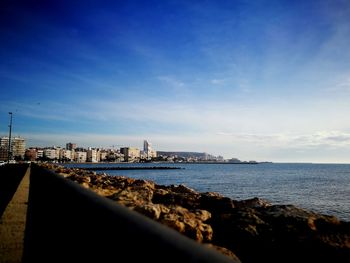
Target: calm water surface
323, 188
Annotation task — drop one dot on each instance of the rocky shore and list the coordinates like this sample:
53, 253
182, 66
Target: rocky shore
250, 230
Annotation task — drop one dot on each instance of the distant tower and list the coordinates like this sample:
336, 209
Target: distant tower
71, 146
147, 148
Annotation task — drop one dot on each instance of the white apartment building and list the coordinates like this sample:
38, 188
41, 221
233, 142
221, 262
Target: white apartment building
50, 153
40, 153
18, 146
66, 154
92, 156
80, 157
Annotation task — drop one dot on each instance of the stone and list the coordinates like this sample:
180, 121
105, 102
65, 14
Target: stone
252, 230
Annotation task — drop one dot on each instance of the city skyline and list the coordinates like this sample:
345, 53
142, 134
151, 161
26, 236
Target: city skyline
256, 80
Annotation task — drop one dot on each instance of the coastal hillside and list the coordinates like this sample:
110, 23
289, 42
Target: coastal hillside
199, 155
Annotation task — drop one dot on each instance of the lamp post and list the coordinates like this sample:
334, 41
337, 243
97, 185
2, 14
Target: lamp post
9, 147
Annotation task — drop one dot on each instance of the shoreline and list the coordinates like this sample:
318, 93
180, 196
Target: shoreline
129, 168
254, 230
126, 163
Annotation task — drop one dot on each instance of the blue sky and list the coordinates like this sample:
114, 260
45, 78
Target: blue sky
257, 80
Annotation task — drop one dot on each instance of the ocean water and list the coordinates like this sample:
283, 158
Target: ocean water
322, 188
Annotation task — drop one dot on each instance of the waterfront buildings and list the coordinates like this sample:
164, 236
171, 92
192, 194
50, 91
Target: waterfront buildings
66, 155
73, 153
17, 148
50, 153
80, 157
130, 153
92, 155
40, 153
4, 142
103, 155
31, 154
148, 150
71, 146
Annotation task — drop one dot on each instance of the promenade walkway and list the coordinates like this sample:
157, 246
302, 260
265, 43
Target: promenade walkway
92, 227
14, 189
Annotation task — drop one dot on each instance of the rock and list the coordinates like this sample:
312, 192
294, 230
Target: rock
191, 223
182, 189
150, 210
216, 203
168, 197
142, 184
171, 220
203, 215
253, 203
254, 229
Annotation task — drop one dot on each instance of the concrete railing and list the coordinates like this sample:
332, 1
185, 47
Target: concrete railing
68, 223
10, 177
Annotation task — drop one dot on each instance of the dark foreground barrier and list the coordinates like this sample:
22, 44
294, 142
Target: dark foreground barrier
67, 223
10, 177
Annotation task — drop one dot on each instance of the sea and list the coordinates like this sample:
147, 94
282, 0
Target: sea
321, 188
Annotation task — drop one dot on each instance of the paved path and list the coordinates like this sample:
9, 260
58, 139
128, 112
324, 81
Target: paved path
12, 224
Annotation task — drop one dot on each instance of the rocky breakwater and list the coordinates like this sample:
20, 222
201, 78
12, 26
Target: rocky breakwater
252, 230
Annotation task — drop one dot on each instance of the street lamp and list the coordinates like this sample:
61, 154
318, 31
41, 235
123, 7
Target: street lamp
9, 147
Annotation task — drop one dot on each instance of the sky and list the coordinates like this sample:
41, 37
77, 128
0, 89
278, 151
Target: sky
254, 80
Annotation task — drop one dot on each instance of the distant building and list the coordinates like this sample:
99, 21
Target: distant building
66, 155
80, 157
50, 153
31, 154
103, 155
71, 146
3, 154
130, 153
220, 158
17, 148
40, 153
4, 142
148, 150
92, 155
234, 160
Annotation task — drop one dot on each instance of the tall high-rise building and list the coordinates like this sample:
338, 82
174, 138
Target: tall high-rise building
71, 146
148, 150
147, 147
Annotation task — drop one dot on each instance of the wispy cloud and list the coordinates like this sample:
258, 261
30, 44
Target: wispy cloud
286, 140
174, 84
218, 81
341, 86
271, 118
